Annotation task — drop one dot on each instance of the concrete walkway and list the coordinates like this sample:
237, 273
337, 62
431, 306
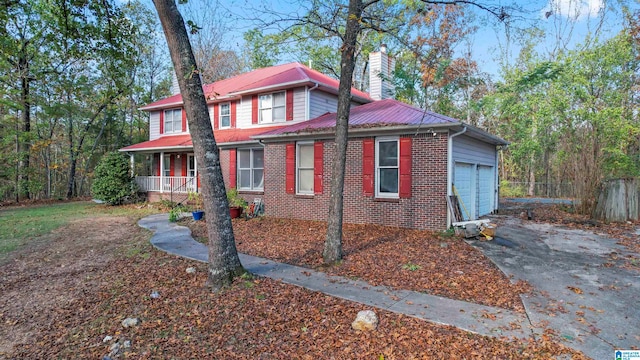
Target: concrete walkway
177, 240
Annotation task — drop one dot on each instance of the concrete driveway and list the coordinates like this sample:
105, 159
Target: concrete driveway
590, 306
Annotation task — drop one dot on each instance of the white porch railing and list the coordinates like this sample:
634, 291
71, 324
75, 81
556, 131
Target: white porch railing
175, 184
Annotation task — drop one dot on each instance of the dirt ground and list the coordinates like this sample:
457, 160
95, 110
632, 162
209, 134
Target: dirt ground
56, 271
64, 293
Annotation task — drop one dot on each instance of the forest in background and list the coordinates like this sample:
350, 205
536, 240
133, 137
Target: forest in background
73, 75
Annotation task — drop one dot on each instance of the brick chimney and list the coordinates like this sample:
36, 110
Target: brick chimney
381, 67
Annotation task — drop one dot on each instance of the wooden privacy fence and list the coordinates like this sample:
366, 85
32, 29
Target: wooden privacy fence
618, 200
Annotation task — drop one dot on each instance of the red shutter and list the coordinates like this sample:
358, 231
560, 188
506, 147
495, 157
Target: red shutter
233, 114
161, 121
184, 120
289, 105
216, 117
318, 164
254, 109
291, 169
184, 159
405, 167
368, 166
172, 160
233, 168
156, 158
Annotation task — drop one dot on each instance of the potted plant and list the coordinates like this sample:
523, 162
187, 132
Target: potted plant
196, 199
236, 203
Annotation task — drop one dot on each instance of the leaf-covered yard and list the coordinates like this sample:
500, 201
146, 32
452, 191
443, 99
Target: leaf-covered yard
438, 264
64, 295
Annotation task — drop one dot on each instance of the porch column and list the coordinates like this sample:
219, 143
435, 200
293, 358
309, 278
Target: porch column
133, 165
162, 171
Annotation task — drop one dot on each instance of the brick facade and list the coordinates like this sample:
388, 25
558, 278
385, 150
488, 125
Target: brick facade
426, 209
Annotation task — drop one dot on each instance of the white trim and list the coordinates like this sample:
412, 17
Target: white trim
298, 157
386, 195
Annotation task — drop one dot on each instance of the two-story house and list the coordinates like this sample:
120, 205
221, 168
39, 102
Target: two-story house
275, 128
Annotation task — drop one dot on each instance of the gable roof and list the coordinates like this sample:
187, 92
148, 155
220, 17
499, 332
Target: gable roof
379, 115
261, 80
175, 142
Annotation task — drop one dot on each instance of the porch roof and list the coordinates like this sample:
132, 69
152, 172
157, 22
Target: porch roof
183, 142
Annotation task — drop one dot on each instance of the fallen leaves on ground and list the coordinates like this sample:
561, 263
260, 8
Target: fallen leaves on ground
400, 258
254, 319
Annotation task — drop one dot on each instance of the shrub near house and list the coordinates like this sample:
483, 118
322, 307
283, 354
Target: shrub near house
113, 182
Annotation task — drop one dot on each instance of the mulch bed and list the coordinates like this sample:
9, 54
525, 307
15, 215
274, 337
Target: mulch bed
433, 263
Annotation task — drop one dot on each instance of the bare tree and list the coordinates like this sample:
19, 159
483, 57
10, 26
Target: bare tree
333, 243
224, 264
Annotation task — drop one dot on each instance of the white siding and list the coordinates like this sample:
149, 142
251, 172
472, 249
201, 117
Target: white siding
381, 67
154, 125
210, 107
321, 102
243, 107
299, 103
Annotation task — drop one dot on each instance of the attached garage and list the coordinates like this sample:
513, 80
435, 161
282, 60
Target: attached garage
474, 176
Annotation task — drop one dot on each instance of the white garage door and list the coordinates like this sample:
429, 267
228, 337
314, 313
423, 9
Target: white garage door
485, 189
463, 181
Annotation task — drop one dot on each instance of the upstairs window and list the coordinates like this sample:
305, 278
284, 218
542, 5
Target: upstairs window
173, 121
225, 115
271, 107
387, 167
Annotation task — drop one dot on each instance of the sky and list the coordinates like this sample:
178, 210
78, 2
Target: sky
565, 22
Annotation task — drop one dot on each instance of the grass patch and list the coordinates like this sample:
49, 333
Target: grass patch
18, 225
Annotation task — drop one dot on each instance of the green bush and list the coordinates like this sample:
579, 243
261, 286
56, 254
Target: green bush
113, 182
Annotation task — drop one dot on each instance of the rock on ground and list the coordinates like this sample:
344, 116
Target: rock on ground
366, 320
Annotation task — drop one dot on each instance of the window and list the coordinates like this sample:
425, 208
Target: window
387, 167
251, 169
304, 168
272, 107
172, 121
225, 115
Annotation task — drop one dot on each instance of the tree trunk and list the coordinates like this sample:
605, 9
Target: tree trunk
333, 243
224, 264
25, 144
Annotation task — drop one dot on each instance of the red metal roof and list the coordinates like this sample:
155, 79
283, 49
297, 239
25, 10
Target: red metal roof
260, 79
382, 113
184, 141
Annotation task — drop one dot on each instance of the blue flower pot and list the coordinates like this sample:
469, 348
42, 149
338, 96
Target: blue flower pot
197, 215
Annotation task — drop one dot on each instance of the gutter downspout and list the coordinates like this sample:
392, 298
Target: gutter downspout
450, 169
308, 99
